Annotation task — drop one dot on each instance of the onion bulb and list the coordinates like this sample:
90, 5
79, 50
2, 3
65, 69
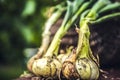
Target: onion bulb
46, 67
87, 69
68, 67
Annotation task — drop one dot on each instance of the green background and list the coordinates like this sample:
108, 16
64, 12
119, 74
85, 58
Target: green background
21, 26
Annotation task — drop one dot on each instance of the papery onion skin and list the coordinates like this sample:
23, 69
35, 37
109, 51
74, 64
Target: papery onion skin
61, 57
87, 69
30, 62
95, 70
69, 71
68, 67
46, 67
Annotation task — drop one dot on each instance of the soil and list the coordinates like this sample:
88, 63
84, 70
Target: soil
109, 74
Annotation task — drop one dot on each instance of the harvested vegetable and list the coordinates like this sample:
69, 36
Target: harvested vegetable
46, 34
84, 66
49, 65
78, 63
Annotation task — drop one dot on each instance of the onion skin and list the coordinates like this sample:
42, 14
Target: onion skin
69, 71
83, 68
87, 69
68, 67
62, 56
35, 57
94, 70
46, 67
31, 61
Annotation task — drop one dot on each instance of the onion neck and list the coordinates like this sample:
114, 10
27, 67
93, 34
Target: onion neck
83, 42
55, 42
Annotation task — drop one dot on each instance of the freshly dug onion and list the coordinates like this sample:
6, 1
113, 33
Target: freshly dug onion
87, 69
56, 14
46, 67
68, 67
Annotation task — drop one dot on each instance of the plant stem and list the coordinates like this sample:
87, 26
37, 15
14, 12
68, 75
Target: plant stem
63, 29
59, 34
110, 7
77, 4
84, 33
97, 6
105, 18
72, 11
83, 8
90, 16
46, 34
83, 42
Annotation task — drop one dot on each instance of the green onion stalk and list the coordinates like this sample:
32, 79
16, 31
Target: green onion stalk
49, 65
68, 67
59, 9
109, 8
81, 7
86, 64
82, 64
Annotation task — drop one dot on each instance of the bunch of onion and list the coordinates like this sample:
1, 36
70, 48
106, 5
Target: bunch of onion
48, 65
62, 56
81, 64
57, 12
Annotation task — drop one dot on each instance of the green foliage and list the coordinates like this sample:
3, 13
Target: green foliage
21, 26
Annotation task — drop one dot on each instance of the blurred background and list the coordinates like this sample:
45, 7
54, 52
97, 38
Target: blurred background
21, 25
